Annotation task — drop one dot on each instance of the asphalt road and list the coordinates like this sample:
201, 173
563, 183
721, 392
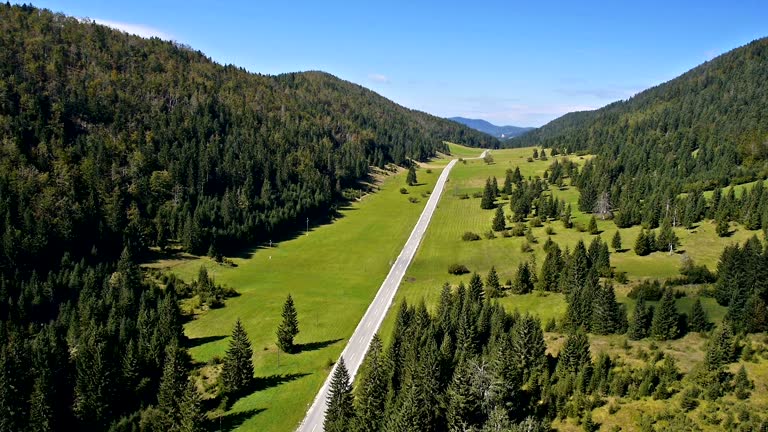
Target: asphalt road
357, 346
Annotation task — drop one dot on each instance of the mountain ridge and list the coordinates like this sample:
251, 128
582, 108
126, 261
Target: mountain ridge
500, 132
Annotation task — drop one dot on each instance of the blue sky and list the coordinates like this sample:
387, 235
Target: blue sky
519, 63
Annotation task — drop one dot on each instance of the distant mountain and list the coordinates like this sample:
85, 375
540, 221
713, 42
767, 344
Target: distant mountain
501, 132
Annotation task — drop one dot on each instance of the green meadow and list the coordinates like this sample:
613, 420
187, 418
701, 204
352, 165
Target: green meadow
333, 273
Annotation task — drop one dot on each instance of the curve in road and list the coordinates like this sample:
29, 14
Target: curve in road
357, 347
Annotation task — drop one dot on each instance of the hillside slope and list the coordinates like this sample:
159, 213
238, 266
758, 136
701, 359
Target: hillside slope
501, 132
719, 108
111, 139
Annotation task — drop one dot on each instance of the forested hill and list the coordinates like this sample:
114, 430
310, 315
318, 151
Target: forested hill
111, 139
719, 108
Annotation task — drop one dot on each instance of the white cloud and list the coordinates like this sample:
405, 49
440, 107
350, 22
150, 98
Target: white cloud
134, 29
379, 78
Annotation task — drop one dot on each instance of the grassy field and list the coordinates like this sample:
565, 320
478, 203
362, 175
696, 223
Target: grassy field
332, 273
443, 246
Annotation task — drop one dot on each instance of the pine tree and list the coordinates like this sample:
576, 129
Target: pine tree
522, 283
40, 412
616, 241
495, 187
722, 228
507, 189
498, 220
640, 325
742, 386
487, 201
667, 239
289, 327
492, 283
607, 315
237, 371
475, 287
527, 346
549, 280
192, 416
592, 227
643, 244
566, 217
463, 407
721, 348
575, 352
172, 385
698, 321
340, 409
410, 179
665, 319
372, 390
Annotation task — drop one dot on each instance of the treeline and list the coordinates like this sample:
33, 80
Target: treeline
471, 366
111, 140
702, 130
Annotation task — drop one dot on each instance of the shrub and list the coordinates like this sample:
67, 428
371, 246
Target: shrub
526, 247
429, 171
463, 196
535, 222
403, 191
477, 195
506, 234
647, 290
470, 236
518, 230
413, 200
621, 277
489, 235
580, 227
458, 269
549, 230
530, 159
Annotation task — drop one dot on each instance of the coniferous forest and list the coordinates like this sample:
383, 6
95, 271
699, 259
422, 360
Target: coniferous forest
113, 143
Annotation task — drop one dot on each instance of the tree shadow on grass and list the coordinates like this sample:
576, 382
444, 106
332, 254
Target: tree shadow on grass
191, 343
313, 346
263, 383
232, 421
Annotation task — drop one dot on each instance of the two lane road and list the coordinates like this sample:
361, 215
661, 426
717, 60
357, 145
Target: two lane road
357, 346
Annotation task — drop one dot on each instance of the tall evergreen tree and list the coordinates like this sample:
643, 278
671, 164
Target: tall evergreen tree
640, 326
289, 326
498, 220
608, 316
172, 385
523, 284
340, 410
666, 318
237, 371
551, 269
475, 291
616, 241
487, 201
192, 417
410, 179
372, 390
667, 239
592, 227
492, 284
575, 352
742, 386
698, 321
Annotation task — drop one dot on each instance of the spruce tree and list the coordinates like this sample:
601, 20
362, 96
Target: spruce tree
667, 239
172, 385
640, 325
665, 319
722, 228
616, 241
742, 386
721, 348
41, 415
463, 407
492, 282
237, 371
475, 287
498, 220
522, 283
289, 327
410, 179
192, 416
372, 390
607, 315
340, 408
495, 187
592, 227
566, 217
551, 269
575, 352
642, 244
698, 320
487, 202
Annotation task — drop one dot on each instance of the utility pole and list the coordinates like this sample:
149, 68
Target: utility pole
307, 231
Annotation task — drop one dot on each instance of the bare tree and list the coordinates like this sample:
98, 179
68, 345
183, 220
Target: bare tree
603, 206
